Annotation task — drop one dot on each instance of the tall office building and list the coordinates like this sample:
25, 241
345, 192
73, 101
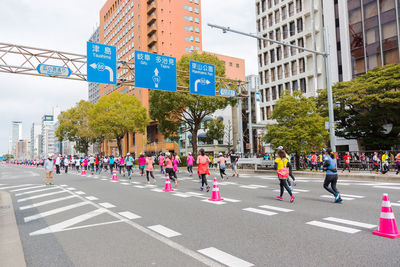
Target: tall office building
16, 135
36, 131
94, 88
284, 68
363, 34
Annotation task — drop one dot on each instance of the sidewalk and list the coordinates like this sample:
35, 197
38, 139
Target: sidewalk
11, 252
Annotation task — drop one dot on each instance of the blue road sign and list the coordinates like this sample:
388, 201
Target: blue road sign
155, 71
101, 63
202, 78
2, 158
53, 70
227, 92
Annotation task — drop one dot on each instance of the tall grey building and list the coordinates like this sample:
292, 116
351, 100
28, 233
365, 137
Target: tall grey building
94, 88
36, 131
16, 135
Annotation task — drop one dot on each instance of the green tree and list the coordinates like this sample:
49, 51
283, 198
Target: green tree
74, 126
299, 128
367, 108
215, 130
172, 109
116, 115
8, 156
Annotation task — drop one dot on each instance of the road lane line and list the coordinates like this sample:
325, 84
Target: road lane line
40, 196
301, 190
359, 224
344, 198
181, 195
46, 202
15, 186
354, 196
70, 188
395, 204
224, 257
232, 200
214, 202
162, 230
80, 193
129, 215
35, 191
263, 212
27, 188
106, 205
139, 186
91, 198
275, 208
381, 186
334, 227
55, 211
158, 190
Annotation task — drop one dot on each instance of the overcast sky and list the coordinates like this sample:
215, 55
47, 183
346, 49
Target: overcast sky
66, 26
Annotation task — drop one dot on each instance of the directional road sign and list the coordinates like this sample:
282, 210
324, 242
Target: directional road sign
227, 92
155, 71
101, 63
202, 78
53, 70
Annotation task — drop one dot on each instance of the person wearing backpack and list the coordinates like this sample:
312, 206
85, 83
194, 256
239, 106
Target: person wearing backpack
282, 165
331, 175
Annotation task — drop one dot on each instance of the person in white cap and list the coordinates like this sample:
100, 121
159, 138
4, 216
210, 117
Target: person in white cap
49, 167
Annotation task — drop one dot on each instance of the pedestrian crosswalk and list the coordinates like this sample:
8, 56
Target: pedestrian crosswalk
268, 210
338, 226
344, 196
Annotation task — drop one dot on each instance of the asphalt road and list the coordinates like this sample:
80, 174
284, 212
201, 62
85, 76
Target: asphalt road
91, 221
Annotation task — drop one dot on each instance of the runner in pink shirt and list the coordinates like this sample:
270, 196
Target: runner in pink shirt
190, 161
149, 168
161, 162
222, 165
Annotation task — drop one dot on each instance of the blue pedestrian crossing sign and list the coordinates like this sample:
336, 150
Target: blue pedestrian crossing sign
101, 63
153, 71
202, 78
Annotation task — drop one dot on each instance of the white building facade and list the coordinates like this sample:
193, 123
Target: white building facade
16, 135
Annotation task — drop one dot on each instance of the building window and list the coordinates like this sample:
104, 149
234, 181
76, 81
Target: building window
260, 60
273, 75
291, 9
278, 53
286, 70
292, 49
287, 87
196, 2
237, 65
299, 25
196, 29
263, 5
189, 18
265, 58
295, 86
292, 28
197, 39
230, 64
196, 20
294, 67
189, 28
302, 65
264, 23
269, 3
303, 85
285, 51
299, 6
260, 74
196, 10
268, 95
272, 54
278, 34
277, 16
280, 72
270, 21
285, 31
273, 89
300, 42
263, 114
280, 90
258, 8
284, 15
268, 113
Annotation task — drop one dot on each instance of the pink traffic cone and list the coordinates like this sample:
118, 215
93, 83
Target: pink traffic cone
387, 222
114, 177
168, 186
83, 171
215, 196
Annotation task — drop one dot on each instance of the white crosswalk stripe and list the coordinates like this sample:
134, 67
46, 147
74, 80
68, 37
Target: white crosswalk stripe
14, 186
35, 191
46, 202
164, 230
224, 258
40, 196
263, 212
334, 227
27, 188
349, 222
54, 211
332, 197
275, 208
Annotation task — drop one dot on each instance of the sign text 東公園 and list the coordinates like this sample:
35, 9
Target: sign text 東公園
202, 78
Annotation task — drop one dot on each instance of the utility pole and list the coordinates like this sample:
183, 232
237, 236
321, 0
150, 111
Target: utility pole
250, 120
240, 119
326, 56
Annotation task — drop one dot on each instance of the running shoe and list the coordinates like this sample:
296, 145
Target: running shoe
279, 198
294, 183
51, 183
201, 188
339, 200
176, 184
208, 188
292, 199
47, 183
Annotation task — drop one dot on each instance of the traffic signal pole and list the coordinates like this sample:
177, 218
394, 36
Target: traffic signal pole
326, 56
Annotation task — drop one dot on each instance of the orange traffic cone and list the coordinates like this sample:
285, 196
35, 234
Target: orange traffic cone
387, 222
167, 187
215, 196
114, 177
83, 171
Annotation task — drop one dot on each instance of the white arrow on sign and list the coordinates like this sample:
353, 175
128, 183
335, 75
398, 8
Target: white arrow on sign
202, 81
156, 78
101, 67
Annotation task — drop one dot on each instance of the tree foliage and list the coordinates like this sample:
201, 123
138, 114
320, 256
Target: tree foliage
8, 156
116, 115
215, 129
74, 126
171, 109
367, 108
298, 128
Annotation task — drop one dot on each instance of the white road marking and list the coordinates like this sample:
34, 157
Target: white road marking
106, 205
231, 200
91, 198
395, 204
355, 196
253, 186
162, 230
194, 193
330, 196
63, 185
129, 215
35, 191
39, 196
158, 190
104, 179
139, 186
301, 190
46, 202
334, 227
64, 226
181, 195
354, 223
71, 188
80, 193
55, 211
294, 192
214, 202
136, 183
26, 188
263, 212
15, 186
381, 186
125, 183
224, 257
275, 208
